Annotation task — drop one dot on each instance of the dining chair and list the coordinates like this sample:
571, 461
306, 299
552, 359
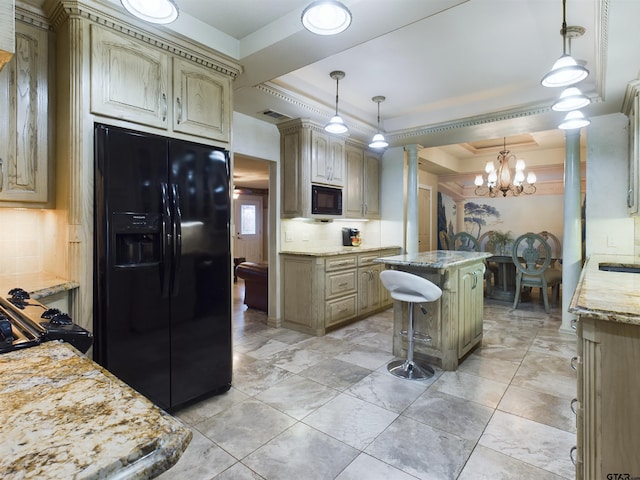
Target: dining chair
464, 242
491, 272
556, 247
533, 267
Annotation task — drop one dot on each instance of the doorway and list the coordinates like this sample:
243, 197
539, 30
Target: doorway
248, 242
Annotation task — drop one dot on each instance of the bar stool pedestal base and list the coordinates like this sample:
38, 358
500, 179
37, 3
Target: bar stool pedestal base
410, 369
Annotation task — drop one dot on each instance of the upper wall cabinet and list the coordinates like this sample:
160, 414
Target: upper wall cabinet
25, 132
136, 82
308, 155
7, 31
362, 185
631, 107
327, 159
201, 101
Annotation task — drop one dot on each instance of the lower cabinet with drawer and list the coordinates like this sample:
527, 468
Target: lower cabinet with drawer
321, 292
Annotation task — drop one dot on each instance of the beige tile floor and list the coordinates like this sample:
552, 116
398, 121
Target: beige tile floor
305, 408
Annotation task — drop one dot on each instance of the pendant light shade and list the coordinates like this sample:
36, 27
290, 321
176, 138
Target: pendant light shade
152, 11
378, 140
336, 124
566, 71
574, 120
571, 99
326, 17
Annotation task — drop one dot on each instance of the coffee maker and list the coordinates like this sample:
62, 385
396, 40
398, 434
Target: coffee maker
350, 237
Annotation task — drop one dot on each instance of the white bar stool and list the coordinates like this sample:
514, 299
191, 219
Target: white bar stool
407, 287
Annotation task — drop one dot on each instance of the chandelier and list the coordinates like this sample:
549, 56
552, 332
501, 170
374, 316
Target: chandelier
499, 181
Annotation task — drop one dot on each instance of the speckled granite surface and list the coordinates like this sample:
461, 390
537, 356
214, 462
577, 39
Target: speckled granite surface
333, 250
64, 417
613, 296
39, 285
438, 259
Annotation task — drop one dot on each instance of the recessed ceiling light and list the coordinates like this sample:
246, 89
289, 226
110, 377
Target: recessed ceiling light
326, 17
153, 11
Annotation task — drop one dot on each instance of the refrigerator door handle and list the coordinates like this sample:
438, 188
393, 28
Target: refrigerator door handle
167, 242
177, 236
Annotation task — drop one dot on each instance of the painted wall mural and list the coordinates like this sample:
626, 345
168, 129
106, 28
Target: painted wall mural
517, 215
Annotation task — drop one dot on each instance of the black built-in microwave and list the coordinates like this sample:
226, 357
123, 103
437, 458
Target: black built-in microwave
326, 200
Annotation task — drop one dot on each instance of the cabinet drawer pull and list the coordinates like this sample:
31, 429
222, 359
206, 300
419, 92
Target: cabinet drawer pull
574, 402
574, 361
572, 454
574, 321
343, 284
343, 309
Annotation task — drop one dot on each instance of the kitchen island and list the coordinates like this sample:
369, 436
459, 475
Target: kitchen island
455, 321
608, 385
63, 416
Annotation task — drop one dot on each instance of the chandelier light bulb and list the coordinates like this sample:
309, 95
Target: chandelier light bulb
478, 181
531, 178
520, 166
326, 17
152, 11
489, 167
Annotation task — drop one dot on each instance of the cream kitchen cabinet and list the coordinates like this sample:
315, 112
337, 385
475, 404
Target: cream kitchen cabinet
327, 159
470, 307
26, 136
308, 155
323, 291
362, 185
139, 83
7, 31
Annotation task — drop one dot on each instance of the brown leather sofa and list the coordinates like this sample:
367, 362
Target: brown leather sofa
256, 284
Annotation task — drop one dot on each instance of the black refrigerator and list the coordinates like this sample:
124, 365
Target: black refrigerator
162, 265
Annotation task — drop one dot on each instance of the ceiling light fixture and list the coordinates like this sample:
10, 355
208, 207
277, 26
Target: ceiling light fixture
153, 11
566, 71
378, 140
500, 180
570, 99
336, 124
326, 17
574, 120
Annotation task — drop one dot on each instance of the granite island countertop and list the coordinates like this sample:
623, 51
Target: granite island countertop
39, 285
65, 417
612, 296
336, 250
437, 259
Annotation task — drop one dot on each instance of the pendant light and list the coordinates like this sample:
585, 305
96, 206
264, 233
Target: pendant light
571, 99
566, 71
378, 140
152, 11
336, 124
573, 120
326, 17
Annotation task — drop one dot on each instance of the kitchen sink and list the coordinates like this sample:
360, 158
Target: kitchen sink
619, 267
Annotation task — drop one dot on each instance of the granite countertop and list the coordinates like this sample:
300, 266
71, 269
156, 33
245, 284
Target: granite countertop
438, 259
335, 250
613, 296
39, 285
64, 416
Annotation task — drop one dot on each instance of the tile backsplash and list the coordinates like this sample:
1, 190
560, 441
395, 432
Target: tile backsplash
21, 240
309, 235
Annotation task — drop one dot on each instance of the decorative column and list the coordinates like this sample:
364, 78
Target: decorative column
572, 241
411, 221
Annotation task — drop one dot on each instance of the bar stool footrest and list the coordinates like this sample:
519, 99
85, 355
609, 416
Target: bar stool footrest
418, 337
